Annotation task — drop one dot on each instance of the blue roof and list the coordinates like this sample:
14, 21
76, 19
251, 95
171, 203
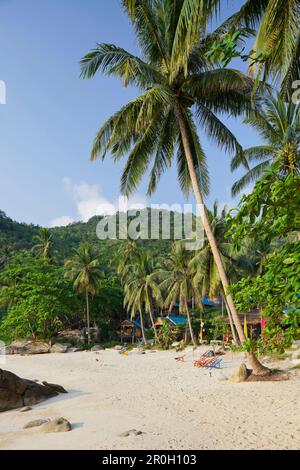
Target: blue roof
177, 320
288, 310
136, 323
207, 302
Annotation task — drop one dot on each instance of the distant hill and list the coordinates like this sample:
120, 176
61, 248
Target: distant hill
15, 236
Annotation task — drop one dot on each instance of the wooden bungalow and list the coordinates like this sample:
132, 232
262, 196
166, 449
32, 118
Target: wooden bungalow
254, 321
130, 331
178, 324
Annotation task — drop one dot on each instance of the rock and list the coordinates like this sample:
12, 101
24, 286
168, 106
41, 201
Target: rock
35, 423
57, 388
35, 393
74, 336
59, 348
73, 349
16, 392
10, 400
97, 347
118, 347
131, 432
27, 347
240, 374
57, 425
25, 409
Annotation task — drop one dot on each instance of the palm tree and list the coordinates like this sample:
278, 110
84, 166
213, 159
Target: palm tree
278, 123
179, 283
161, 121
277, 40
126, 252
84, 270
141, 287
43, 244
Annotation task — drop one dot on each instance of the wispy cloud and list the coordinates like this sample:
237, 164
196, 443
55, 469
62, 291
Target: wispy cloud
90, 202
62, 221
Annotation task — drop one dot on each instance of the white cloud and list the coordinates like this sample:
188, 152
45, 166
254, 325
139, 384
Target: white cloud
61, 221
89, 202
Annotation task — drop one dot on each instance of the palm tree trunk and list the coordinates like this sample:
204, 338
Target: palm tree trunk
88, 316
257, 367
201, 326
142, 328
189, 323
231, 323
153, 324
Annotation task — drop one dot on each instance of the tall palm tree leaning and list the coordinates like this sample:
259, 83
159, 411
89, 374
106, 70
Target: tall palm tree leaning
84, 270
43, 244
141, 288
278, 123
161, 121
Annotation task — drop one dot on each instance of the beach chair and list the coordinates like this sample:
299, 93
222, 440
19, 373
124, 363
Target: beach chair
215, 365
180, 358
204, 361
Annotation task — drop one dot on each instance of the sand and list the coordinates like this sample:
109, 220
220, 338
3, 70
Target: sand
174, 405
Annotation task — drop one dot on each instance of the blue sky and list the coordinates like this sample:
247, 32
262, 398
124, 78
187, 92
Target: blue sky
51, 115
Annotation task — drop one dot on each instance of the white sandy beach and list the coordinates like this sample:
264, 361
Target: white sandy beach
175, 405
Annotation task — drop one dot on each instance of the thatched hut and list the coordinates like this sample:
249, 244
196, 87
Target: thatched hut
130, 331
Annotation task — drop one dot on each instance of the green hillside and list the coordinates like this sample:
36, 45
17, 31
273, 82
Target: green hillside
15, 236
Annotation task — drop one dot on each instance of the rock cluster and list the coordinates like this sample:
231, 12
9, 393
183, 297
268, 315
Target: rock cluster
16, 392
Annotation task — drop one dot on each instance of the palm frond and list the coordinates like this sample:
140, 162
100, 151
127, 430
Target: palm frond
258, 153
251, 176
251, 12
187, 31
122, 129
216, 130
139, 159
112, 60
165, 149
148, 32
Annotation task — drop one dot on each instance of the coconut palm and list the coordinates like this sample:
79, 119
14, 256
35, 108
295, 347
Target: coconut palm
43, 244
141, 287
126, 252
278, 123
277, 40
84, 270
178, 282
161, 122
